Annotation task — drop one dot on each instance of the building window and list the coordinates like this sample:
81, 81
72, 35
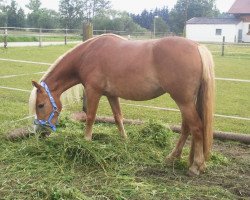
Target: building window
218, 31
248, 33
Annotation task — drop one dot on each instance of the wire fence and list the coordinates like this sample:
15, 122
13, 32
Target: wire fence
38, 35
233, 49
65, 36
17, 36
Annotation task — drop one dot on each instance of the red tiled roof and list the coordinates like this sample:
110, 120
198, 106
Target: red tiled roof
240, 7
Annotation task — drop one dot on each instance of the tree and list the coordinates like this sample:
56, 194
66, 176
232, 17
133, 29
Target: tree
48, 19
41, 17
160, 26
21, 22
116, 21
73, 12
146, 18
187, 9
33, 17
3, 13
34, 5
12, 19
96, 7
44, 18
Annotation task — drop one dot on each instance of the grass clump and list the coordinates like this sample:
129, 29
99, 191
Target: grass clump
156, 133
67, 193
219, 159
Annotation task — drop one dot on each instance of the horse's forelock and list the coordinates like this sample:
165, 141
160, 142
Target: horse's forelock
32, 101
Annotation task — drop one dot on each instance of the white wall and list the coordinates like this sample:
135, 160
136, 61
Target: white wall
245, 38
206, 32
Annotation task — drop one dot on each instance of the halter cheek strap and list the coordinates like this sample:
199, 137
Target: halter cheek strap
52, 114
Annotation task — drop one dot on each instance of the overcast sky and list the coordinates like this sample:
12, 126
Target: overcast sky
133, 6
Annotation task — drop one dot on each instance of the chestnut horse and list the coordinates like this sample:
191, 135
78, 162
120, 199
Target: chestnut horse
136, 70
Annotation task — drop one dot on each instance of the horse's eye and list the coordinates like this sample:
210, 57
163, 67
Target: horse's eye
41, 105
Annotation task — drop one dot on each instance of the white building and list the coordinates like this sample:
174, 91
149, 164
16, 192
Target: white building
235, 28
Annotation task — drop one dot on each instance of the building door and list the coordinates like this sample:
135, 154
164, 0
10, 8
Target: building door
239, 35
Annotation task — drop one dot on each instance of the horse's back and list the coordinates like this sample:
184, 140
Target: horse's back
140, 70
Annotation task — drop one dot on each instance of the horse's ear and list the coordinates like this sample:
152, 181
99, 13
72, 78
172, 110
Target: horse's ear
37, 85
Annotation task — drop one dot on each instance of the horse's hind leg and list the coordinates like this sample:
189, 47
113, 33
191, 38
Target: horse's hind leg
176, 153
190, 115
93, 99
116, 109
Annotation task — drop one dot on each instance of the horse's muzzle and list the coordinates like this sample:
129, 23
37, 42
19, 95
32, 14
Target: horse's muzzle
42, 130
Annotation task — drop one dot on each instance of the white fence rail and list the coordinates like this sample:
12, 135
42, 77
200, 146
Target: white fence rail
40, 36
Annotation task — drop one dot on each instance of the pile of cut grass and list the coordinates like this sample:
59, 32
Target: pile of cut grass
65, 166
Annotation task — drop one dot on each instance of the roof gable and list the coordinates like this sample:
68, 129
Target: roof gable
205, 20
240, 7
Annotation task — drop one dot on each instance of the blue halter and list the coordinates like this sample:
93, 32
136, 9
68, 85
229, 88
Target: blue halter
52, 114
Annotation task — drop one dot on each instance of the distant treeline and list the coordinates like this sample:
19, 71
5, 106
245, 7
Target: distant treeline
72, 14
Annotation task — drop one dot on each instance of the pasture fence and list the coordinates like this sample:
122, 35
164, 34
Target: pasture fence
40, 37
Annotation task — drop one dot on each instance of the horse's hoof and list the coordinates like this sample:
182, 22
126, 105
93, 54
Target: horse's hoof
125, 137
88, 138
170, 159
193, 171
202, 168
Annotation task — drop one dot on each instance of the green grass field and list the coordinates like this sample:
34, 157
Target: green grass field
65, 166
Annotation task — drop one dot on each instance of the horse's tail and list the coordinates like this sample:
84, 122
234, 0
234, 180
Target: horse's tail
205, 99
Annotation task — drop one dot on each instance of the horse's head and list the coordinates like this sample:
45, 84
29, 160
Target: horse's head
47, 108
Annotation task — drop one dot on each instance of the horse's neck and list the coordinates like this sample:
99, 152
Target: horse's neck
62, 76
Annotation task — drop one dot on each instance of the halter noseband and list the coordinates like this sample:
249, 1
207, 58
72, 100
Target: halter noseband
52, 114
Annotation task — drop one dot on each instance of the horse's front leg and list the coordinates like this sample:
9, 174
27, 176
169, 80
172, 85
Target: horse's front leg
93, 98
116, 109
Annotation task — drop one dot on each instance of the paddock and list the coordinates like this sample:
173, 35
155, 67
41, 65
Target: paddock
18, 66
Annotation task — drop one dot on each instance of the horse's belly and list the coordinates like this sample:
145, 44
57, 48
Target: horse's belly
135, 91
142, 96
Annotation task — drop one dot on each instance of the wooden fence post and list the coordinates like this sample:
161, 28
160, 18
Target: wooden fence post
87, 31
223, 46
5, 42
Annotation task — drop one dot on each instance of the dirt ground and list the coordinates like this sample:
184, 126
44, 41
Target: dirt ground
234, 176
